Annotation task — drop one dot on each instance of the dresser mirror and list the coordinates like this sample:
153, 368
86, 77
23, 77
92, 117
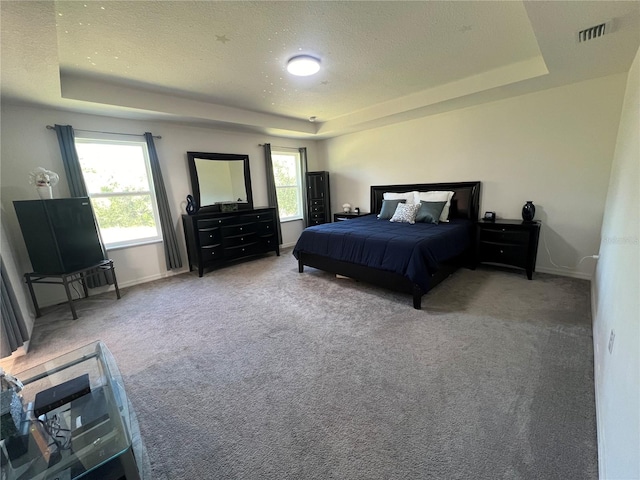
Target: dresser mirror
220, 181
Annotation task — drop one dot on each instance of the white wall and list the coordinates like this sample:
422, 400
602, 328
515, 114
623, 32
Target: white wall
615, 296
26, 144
552, 147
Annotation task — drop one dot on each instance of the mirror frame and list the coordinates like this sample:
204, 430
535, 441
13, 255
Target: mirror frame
195, 184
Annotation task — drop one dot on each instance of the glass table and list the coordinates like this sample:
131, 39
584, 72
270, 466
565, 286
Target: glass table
73, 420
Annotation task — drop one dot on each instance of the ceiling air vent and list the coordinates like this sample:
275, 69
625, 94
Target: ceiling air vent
594, 32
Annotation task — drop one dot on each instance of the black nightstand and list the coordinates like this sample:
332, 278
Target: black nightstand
509, 242
346, 216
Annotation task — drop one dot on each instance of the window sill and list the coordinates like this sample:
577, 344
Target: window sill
287, 220
133, 244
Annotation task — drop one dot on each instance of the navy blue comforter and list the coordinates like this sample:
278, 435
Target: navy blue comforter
413, 251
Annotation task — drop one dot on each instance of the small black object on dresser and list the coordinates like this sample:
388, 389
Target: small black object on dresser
217, 238
318, 198
509, 242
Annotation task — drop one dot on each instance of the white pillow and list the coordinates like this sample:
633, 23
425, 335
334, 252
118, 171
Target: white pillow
405, 213
436, 196
408, 197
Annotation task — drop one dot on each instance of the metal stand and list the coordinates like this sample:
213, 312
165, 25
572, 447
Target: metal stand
67, 279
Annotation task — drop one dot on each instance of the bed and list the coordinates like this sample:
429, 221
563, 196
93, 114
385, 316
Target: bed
410, 258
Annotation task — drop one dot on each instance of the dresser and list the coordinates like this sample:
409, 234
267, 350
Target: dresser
509, 242
318, 198
217, 238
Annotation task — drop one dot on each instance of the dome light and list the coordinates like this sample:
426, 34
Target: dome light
303, 65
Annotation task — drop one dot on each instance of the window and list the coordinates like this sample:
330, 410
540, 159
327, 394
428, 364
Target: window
118, 178
288, 179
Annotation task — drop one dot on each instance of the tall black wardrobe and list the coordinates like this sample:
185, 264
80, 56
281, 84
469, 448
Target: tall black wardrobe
318, 198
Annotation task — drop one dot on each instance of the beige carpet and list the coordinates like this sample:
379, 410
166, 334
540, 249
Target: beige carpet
258, 372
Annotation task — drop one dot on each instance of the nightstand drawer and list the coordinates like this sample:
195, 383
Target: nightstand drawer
503, 253
504, 235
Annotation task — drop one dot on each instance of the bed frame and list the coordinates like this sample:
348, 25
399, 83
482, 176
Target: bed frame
464, 204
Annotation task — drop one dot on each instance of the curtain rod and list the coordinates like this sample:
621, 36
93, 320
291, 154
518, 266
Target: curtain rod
49, 127
278, 146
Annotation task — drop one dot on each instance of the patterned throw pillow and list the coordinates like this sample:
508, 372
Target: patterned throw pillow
405, 213
429, 212
389, 208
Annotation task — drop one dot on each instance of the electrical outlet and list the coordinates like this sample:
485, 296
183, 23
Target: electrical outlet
611, 339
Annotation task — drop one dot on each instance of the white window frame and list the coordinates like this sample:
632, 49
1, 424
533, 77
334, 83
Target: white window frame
154, 204
299, 186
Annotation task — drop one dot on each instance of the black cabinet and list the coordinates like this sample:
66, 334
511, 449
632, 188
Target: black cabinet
318, 198
61, 234
509, 242
216, 238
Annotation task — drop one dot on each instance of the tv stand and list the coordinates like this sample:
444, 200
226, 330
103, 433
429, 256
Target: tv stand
67, 279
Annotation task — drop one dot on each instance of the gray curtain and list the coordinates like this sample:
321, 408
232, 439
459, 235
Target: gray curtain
77, 187
271, 188
67, 142
303, 173
13, 326
171, 250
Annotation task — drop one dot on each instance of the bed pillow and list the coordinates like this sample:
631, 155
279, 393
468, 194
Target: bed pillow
389, 208
408, 197
429, 212
405, 213
437, 196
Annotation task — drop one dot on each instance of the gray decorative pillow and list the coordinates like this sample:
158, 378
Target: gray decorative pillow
429, 212
389, 208
405, 213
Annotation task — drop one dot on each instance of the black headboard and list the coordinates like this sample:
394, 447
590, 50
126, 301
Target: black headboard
464, 204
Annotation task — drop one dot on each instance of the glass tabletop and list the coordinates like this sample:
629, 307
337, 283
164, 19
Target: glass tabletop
71, 418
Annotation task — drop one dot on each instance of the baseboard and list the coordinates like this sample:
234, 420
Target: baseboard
565, 273
600, 433
287, 245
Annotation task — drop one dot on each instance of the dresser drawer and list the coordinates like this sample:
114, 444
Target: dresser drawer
257, 217
239, 229
211, 253
317, 202
317, 209
504, 235
241, 239
216, 222
209, 236
266, 227
242, 250
515, 255
268, 242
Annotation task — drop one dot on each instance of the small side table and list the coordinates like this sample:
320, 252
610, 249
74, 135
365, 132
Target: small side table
346, 216
67, 279
509, 242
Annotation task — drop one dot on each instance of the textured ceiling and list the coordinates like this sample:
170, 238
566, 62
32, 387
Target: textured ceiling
223, 63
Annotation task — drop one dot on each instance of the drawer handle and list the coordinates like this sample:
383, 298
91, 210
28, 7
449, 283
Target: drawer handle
243, 249
503, 230
501, 251
241, 239
211, 236
268, 227
240, 228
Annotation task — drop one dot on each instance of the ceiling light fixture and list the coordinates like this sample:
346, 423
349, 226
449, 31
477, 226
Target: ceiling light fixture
303, 65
